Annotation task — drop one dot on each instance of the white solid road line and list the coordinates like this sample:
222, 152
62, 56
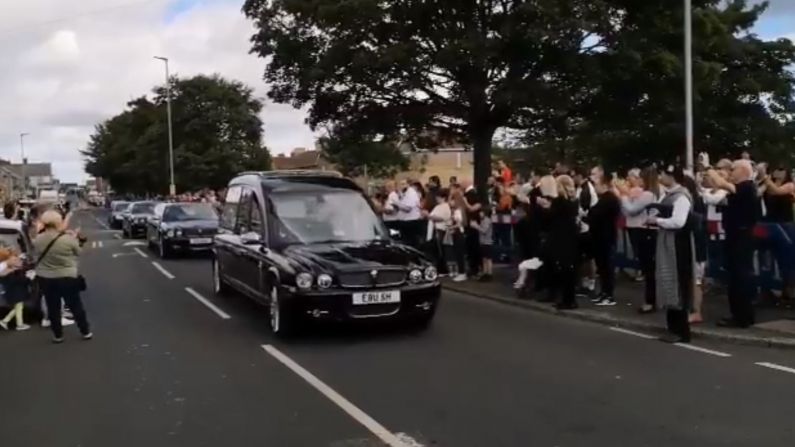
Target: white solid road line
165, 272
101, 223
633, 333
140, 252
776, 367
207, 303
704, 350
360, 416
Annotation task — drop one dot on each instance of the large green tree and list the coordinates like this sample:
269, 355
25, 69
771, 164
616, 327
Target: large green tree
400, 68
743, 85
217, 133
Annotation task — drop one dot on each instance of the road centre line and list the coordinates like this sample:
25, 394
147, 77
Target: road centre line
357, 414
704, 350
140, 252
776, 367
207, 303
101, 223
633, 333
165, 272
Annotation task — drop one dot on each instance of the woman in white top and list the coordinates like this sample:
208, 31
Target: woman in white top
439, 220
455, 231
642, 190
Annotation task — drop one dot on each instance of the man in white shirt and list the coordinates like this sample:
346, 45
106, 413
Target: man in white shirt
410, 214
390, 215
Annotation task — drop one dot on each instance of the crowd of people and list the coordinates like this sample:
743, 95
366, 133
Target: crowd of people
45, 271
561, 227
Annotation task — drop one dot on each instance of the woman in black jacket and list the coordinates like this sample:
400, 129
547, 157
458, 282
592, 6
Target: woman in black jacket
560, 210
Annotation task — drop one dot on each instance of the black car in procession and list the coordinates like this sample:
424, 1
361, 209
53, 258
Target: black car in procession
135, 219
182, 227
116, 215
309, 246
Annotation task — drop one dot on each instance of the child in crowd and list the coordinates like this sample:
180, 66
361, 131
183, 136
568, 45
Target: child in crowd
14, 286
486, 241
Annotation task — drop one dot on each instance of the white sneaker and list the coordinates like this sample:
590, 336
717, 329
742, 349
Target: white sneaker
45, 322
66, 322
23, 327
4, 325
460, 278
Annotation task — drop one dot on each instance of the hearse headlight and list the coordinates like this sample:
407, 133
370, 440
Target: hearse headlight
415, 276
324, 281
431, 274
178, 232
303, 281
170, 233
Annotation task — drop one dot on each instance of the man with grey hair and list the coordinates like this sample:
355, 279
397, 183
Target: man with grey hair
740, 216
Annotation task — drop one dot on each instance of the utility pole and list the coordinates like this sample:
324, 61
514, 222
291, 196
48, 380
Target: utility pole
689, 83
23, 168
172, 188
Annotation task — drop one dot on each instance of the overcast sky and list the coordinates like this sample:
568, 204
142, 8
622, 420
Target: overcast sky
68, 65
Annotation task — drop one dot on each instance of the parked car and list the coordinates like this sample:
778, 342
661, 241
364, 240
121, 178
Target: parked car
135, 218
117, 209
182, 227
310, 247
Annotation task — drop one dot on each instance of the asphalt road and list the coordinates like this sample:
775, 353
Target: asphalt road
166, 369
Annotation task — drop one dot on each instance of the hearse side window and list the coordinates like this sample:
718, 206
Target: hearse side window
229, 211
249, 214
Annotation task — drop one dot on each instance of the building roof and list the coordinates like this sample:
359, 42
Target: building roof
298, 160
32, 169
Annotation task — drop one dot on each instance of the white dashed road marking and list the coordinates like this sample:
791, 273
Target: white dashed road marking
101, 223
140, 252
353, 411
704, 350
165, 272
633, 333
776, 367
117, 236
207, 303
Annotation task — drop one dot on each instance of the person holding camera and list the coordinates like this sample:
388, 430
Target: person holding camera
58, 251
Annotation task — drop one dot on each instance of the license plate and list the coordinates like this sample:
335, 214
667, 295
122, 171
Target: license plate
201, 240
384, 297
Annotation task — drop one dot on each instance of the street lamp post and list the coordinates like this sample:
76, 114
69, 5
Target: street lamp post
22, 168
689, 83
172, 188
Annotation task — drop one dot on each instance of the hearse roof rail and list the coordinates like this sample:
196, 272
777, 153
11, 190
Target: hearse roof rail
294, 173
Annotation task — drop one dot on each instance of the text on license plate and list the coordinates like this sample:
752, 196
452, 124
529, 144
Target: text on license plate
201, 240
382, 297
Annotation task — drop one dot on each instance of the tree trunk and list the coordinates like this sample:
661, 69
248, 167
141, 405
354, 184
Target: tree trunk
481, 140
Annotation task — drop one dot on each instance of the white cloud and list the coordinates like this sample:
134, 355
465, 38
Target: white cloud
67, 67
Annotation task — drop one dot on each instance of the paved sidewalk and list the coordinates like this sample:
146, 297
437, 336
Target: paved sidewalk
775, 321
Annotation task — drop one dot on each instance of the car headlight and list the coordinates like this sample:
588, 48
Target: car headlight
324, 281
303, 280
415, 276
142, 220
178, 232
431, 274
170, 233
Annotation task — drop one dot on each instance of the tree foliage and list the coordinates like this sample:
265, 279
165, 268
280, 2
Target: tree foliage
743, 86
579, 77
217, 133
356, 155
399, 68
